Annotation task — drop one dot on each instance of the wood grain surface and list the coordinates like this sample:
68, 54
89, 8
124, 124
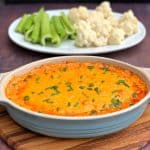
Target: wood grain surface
137, 136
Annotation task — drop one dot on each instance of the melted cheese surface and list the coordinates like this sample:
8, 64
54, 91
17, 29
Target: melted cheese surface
76, 89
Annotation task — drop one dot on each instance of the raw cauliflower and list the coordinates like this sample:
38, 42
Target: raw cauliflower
86, 37
129, 23
116, 36
80, 13
100, 27
105, 9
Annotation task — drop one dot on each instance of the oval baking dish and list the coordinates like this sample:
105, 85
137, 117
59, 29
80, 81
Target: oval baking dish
76, 126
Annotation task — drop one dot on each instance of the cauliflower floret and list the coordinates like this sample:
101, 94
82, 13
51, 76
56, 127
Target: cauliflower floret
76, 14
101, 41
95, 18
129, 23
116, 36
102, 28
85, 35
105, 9
113, 21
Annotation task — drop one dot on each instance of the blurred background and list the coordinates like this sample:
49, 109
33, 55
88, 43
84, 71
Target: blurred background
70, 1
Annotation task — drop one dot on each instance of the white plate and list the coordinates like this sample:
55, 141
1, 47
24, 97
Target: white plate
67, 47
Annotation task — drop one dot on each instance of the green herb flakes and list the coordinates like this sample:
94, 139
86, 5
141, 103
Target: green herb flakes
89, 88
76, 104
134, 95
90, 67
81, 87
37, 79
55, 88
102, 81
26, 98
64, 69
93, 112
105, 69
48, 101
96, 89
69, 86
69, 104
123, 82
81, 76
91, 84
93, 100
116, 102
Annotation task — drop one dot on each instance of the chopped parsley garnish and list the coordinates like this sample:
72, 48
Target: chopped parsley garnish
116, 102
90, 67
69, 86
48, 88
40, 93
76, 104
52, 76
134, 95
114, 91
96, 89
48, 101
55, 88
68, 104
93, 112
58, 108
104, 106
37, 79
14, 84
29, 76
26, 98
102, 81
105, 69
89, 88
82, 87
93, 100
64, 69
91, 84
25, 80
81, 76
123, 82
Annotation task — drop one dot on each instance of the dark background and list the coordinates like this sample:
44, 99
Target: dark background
73, 1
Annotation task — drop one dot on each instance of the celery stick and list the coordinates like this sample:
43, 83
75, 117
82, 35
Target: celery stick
45, 30
28, 23
21, 23
68, 26
67, 22
36, 28
28, 34
59, 27
55, 37
70, 33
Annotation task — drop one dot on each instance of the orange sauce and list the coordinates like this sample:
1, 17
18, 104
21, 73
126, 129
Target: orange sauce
76, 89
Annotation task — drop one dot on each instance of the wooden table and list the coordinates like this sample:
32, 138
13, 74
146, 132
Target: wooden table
12, 56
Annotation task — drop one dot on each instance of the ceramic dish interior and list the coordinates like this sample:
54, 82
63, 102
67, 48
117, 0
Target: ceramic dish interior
74, 127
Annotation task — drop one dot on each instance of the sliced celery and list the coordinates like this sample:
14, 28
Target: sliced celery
55, 37
28, 34
45, 30
36, 34
21, 23
59, 27
28, 23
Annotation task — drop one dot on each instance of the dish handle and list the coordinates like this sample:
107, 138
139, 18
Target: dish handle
2, 101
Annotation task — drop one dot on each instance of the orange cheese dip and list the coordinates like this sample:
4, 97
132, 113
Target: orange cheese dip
76, 89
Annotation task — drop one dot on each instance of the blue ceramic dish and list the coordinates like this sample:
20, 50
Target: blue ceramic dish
74, 127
